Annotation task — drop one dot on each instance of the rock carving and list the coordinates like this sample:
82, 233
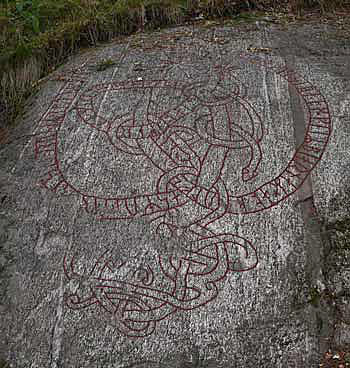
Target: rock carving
183, 142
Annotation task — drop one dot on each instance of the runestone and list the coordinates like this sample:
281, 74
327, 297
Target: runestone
182, 144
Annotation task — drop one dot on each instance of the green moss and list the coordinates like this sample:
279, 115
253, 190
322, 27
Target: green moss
315, 297
342, 225
342, 239
3, 364
105, 64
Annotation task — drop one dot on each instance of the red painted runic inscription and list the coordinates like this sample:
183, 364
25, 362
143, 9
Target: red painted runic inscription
182, 142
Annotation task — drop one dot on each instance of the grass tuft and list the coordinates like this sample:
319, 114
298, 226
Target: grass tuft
38, 35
